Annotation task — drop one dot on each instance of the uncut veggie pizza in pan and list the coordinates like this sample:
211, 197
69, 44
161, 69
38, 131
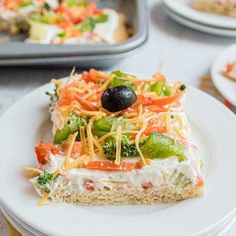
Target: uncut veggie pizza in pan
62, 22
118, 139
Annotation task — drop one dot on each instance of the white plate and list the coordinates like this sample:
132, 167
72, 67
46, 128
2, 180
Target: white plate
198, 26
184, 8
219, 230
16, 225
27, 121
226, 86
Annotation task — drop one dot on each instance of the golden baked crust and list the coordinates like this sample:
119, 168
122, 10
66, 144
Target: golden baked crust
119, 196
226, 7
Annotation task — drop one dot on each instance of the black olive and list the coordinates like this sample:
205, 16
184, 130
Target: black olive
118, 98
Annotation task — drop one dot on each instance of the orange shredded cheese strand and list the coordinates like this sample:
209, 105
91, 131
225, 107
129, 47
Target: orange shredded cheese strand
83, 139
104, 86
98, 114
100, 140
118, 145
68, 154
43, 199
99, 147
78, 163
137, 140
33, 169
90, 138
178, 133
71, 75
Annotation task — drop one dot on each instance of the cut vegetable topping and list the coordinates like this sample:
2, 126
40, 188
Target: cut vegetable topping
111, 166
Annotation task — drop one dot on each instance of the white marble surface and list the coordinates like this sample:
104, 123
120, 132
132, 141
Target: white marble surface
184, 53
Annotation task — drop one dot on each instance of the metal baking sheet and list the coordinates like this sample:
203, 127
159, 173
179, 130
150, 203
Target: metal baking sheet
96, 61
137, 18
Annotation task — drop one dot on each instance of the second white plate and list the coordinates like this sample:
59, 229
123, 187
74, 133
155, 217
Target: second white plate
198, 26
226, 86
185, 9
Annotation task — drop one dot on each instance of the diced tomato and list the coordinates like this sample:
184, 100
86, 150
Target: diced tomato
65, 24
91, 6
98, 12
43, 150
147, 185
157, 129
88, 184
200, 181
111, 166
229, 67
228, 104
91, 76
143, 100
77, 20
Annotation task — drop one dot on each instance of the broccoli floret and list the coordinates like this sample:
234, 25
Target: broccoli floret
127, 150
53, 98
44, 180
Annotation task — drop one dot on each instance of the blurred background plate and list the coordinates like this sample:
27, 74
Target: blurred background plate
198, 26
226, 86
185, 9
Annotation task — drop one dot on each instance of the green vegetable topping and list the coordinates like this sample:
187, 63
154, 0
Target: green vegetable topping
61, 34
104, 124
118, 79
157, 87
45, 179
26, 3
72, 3
99, 133
101, 18
161, 88
127, 150
73, 124
46, 18
161, 146
53, 98
87, 25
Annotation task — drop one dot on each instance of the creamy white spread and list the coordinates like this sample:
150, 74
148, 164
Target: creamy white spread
107, 30
159, 173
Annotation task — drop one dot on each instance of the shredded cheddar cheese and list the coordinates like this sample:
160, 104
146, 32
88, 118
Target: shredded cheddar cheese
90, 138
33, 169
44, 198
68, 154
118, 145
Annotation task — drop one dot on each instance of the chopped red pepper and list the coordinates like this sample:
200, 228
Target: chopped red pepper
43, 150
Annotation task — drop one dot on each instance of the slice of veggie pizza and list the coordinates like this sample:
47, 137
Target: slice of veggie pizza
223, 7
77, 22
14, 13
118, 139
